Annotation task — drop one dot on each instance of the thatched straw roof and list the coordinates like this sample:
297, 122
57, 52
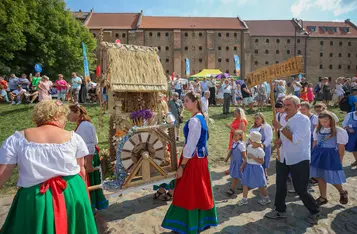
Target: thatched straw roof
130, 68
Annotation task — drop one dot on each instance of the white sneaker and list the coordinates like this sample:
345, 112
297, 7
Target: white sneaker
13, 103
264, 201
242, 202
18, 103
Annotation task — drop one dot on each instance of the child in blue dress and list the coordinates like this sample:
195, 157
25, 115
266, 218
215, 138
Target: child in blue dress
327, 155
253, 172
350, 124
238, 154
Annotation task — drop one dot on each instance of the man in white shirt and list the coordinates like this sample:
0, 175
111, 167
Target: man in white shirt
294, 145
204, 86
297, 86
227, 91
205, 103
17, 95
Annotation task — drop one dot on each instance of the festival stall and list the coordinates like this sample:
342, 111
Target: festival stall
141, 143
206, 73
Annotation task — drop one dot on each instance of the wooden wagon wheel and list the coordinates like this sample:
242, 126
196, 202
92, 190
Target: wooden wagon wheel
139, 143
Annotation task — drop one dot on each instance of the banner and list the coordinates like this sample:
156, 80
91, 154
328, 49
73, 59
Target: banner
187, 67
85, 62
292, 66
237, 64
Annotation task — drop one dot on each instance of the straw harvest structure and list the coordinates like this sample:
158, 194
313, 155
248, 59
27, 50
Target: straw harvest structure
134, 78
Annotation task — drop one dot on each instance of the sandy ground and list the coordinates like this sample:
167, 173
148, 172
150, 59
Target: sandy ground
136, 212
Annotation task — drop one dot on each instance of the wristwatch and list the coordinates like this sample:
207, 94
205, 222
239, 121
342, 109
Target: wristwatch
183, 166
281, 128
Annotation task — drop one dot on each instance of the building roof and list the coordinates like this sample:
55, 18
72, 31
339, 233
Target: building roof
80, 14
113, 20
164, 22
271, 28
330, 29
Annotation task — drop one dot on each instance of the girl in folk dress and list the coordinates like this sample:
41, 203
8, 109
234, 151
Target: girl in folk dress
253, 172
193, 208
52, 197
327, 155
267, 136
350, 124
310, 93
86, 130
237, 153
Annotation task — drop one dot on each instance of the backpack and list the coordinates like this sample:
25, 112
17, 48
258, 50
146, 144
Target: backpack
344, 104
317, 88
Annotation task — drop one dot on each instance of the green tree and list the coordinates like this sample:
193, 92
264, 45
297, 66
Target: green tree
46, 33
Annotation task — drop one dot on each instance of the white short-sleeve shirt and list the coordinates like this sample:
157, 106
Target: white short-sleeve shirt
38, 162
87, 131
341, 135
256, 152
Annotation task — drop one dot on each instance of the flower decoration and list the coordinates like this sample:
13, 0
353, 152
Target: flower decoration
141, 116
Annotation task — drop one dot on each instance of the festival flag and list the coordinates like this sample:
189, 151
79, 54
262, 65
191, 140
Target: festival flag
85, 62
237, 64
187, 67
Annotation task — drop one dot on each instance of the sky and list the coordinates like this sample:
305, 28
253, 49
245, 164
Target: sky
320, 10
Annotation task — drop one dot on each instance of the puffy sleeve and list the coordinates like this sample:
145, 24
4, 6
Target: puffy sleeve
259, 153
268, 132
8, 154
346, 120
81, 146
88, 133
315, 120
342, 136
194, 134
315, 135
242, 147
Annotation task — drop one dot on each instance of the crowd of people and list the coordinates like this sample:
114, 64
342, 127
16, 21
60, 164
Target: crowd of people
37, 88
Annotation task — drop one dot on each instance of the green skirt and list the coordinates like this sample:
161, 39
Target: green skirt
97, 197
32, 212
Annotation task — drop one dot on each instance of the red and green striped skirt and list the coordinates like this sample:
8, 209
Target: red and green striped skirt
59, 205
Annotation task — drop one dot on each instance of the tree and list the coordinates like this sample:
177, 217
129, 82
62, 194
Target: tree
46, 33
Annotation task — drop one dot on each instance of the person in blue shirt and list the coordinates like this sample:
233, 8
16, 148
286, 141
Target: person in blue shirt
76, 86
352, 100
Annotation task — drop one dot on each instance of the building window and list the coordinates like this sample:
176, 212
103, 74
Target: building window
267, 40
219, 60
256, 62
159, 48
186, 48
348, 67
276, 62
150, 34
331, 43
321, 43
349, 43
166, 34
227, 48
159, 34
167, 72
167, 48
219, 48
330, 66
186, 34
321, 54
339, 67
256, 40
200, 48
321, 66
267, 51
227, 60
340, 43
298, 40
277, 40
331, 54
235, 48
349, 55
123, 35
299, 51
219, 34
200, 34
288, 41
234, 71
94, 35
167, 60
266, 62
227, 34
340, 55
256, 51
117, 35
288, 51
277, 52
235, 34
200, 60
227, 71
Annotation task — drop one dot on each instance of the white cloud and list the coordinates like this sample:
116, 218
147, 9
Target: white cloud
337, 7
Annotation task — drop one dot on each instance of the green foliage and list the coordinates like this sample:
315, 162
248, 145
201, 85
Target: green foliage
42, 31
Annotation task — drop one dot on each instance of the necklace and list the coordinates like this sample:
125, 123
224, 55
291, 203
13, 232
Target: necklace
50, 123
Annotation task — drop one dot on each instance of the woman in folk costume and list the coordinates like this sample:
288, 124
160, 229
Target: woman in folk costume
267, 136
53, 197
350, 124
86, 130
193, 208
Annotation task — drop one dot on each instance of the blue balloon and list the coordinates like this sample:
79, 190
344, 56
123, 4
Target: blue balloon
38, 68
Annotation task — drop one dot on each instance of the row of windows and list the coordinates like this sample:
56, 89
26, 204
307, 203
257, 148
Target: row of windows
277, 52
277, 41
117, 35
266, 62
339, 55
331, 43
339, 67
193, 34
166, 48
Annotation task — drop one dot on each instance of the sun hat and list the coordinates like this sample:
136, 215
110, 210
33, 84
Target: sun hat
255, 137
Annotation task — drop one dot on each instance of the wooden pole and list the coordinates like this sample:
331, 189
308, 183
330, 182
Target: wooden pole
272, 101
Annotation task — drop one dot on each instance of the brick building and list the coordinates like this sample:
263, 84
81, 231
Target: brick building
329, 48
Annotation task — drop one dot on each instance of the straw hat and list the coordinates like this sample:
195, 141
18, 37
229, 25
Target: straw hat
255, 137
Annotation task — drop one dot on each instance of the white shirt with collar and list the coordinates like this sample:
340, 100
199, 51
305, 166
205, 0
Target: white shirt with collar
228, 89
268, 133
297, 150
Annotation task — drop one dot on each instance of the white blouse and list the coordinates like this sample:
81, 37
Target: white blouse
193, 137
38, 162
87, 131
341, 134
268, 133
241, 146
256, 152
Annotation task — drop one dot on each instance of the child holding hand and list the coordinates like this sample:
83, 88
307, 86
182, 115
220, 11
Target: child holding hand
253, 175
238, 155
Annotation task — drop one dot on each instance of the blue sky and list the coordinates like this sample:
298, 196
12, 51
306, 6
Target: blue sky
322, 10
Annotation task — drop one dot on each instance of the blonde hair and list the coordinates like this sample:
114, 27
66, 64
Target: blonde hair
260, 115
239, 132
241, 113
48, 111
